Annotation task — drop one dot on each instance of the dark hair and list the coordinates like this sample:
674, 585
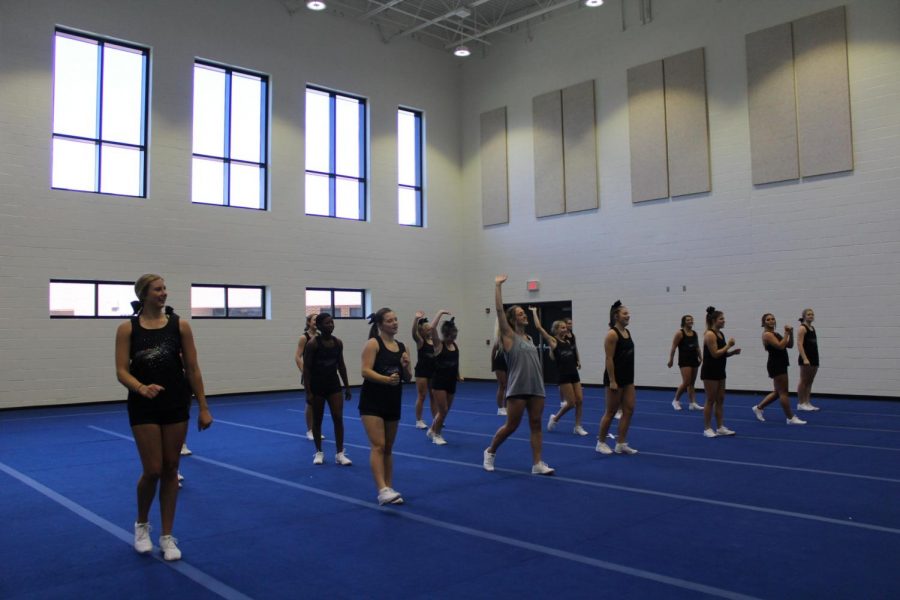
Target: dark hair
320, 318
375, 319
309, 318
511, 315
711, 315
449, 327
762, 321
684, 319
613, 311
802, 318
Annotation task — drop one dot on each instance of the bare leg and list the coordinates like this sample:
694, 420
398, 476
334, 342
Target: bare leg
514, 411
535, 405
579, 402
318, 411
628, 397
148, 439
441, 408
172, 438
336, 406
613, 403
501, 388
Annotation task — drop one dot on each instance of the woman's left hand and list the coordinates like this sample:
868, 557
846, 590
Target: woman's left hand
204, 419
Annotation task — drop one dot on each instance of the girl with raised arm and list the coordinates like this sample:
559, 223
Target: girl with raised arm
323, 362
156, 360
525, 387
618, 380
776, 346
809, 359
715, 354
688, 346
385, 364
563, 353
421, 332
446, 373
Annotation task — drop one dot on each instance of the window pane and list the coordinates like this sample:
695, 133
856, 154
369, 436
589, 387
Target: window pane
318, 301
207, 301
246, 117
121, 170
114, 300
318, 125
245, 302
347, 195
71, 299
209, 111
123, 94
208, 181
75, 86
74, 165
346, 141
317, 195
348, 304
246, 186
408, 207
407, 173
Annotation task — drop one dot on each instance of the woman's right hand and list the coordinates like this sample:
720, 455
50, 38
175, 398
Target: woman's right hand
150, 391
500, 279
419, 315
730, 342
394, 379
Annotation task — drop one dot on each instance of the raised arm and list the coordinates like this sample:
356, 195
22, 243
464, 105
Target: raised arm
506, 331
675, 341
551, 341
415, 329
435, 336
192, 372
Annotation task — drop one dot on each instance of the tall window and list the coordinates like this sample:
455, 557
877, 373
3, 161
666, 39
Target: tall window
335, 155
99, 115
230, 137
409, 167
340, 303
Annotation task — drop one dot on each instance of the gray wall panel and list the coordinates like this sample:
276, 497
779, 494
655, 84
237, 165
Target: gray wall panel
647, 132
687, 131
823, 93
494, 173
549, 187
772, 105
580, 143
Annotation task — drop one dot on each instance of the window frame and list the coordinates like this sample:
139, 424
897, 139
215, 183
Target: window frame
332, 312
419, 187
226, 287
96, 283
363, 179
99, 142
227, 160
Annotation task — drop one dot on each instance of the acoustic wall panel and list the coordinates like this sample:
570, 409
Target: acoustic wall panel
647, 132
494, 177
580, 144
549, 186
772, 105
823, 93
687, 130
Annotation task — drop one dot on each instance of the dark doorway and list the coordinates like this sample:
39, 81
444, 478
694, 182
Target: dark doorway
549, 312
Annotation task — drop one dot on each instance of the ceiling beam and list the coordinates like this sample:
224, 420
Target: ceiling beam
478, 35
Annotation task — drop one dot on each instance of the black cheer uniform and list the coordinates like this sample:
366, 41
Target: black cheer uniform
382, 399
155, 357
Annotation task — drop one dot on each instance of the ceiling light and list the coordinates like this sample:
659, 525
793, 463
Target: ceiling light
593, 3
315, 5
462, 50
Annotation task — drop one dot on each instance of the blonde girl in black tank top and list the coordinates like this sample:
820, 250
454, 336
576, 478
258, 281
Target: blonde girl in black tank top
809, 359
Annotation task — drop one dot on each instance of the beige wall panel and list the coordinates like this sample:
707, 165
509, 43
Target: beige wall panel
772, 105
494, 174
823, 93
580, 143
549, 187
687, 130
647, 132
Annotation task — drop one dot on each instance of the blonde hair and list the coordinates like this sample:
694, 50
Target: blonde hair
143, 282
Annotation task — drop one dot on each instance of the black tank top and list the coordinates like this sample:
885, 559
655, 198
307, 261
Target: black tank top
564, 355
688, 350
325, 359
714, 368
810, 345
623, 360
425, 360
447, 362
778, 357
155, 357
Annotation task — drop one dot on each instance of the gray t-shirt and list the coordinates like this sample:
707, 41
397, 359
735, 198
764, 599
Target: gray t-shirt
525, 374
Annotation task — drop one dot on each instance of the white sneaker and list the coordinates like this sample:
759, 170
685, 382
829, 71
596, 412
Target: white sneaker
542, 468
342, 459
142, 543
602, 448
309, 435
488, 461
180, 479
501, 412
185, 451
618, 414
420, 424
562, 403
807, 406
387, 495
625, 449
579, 430
724, 431
438, 440
710, 433
551, 423
676, 404
169, 547
795, 420
429, 434
319, 458
694, 406
759, 414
